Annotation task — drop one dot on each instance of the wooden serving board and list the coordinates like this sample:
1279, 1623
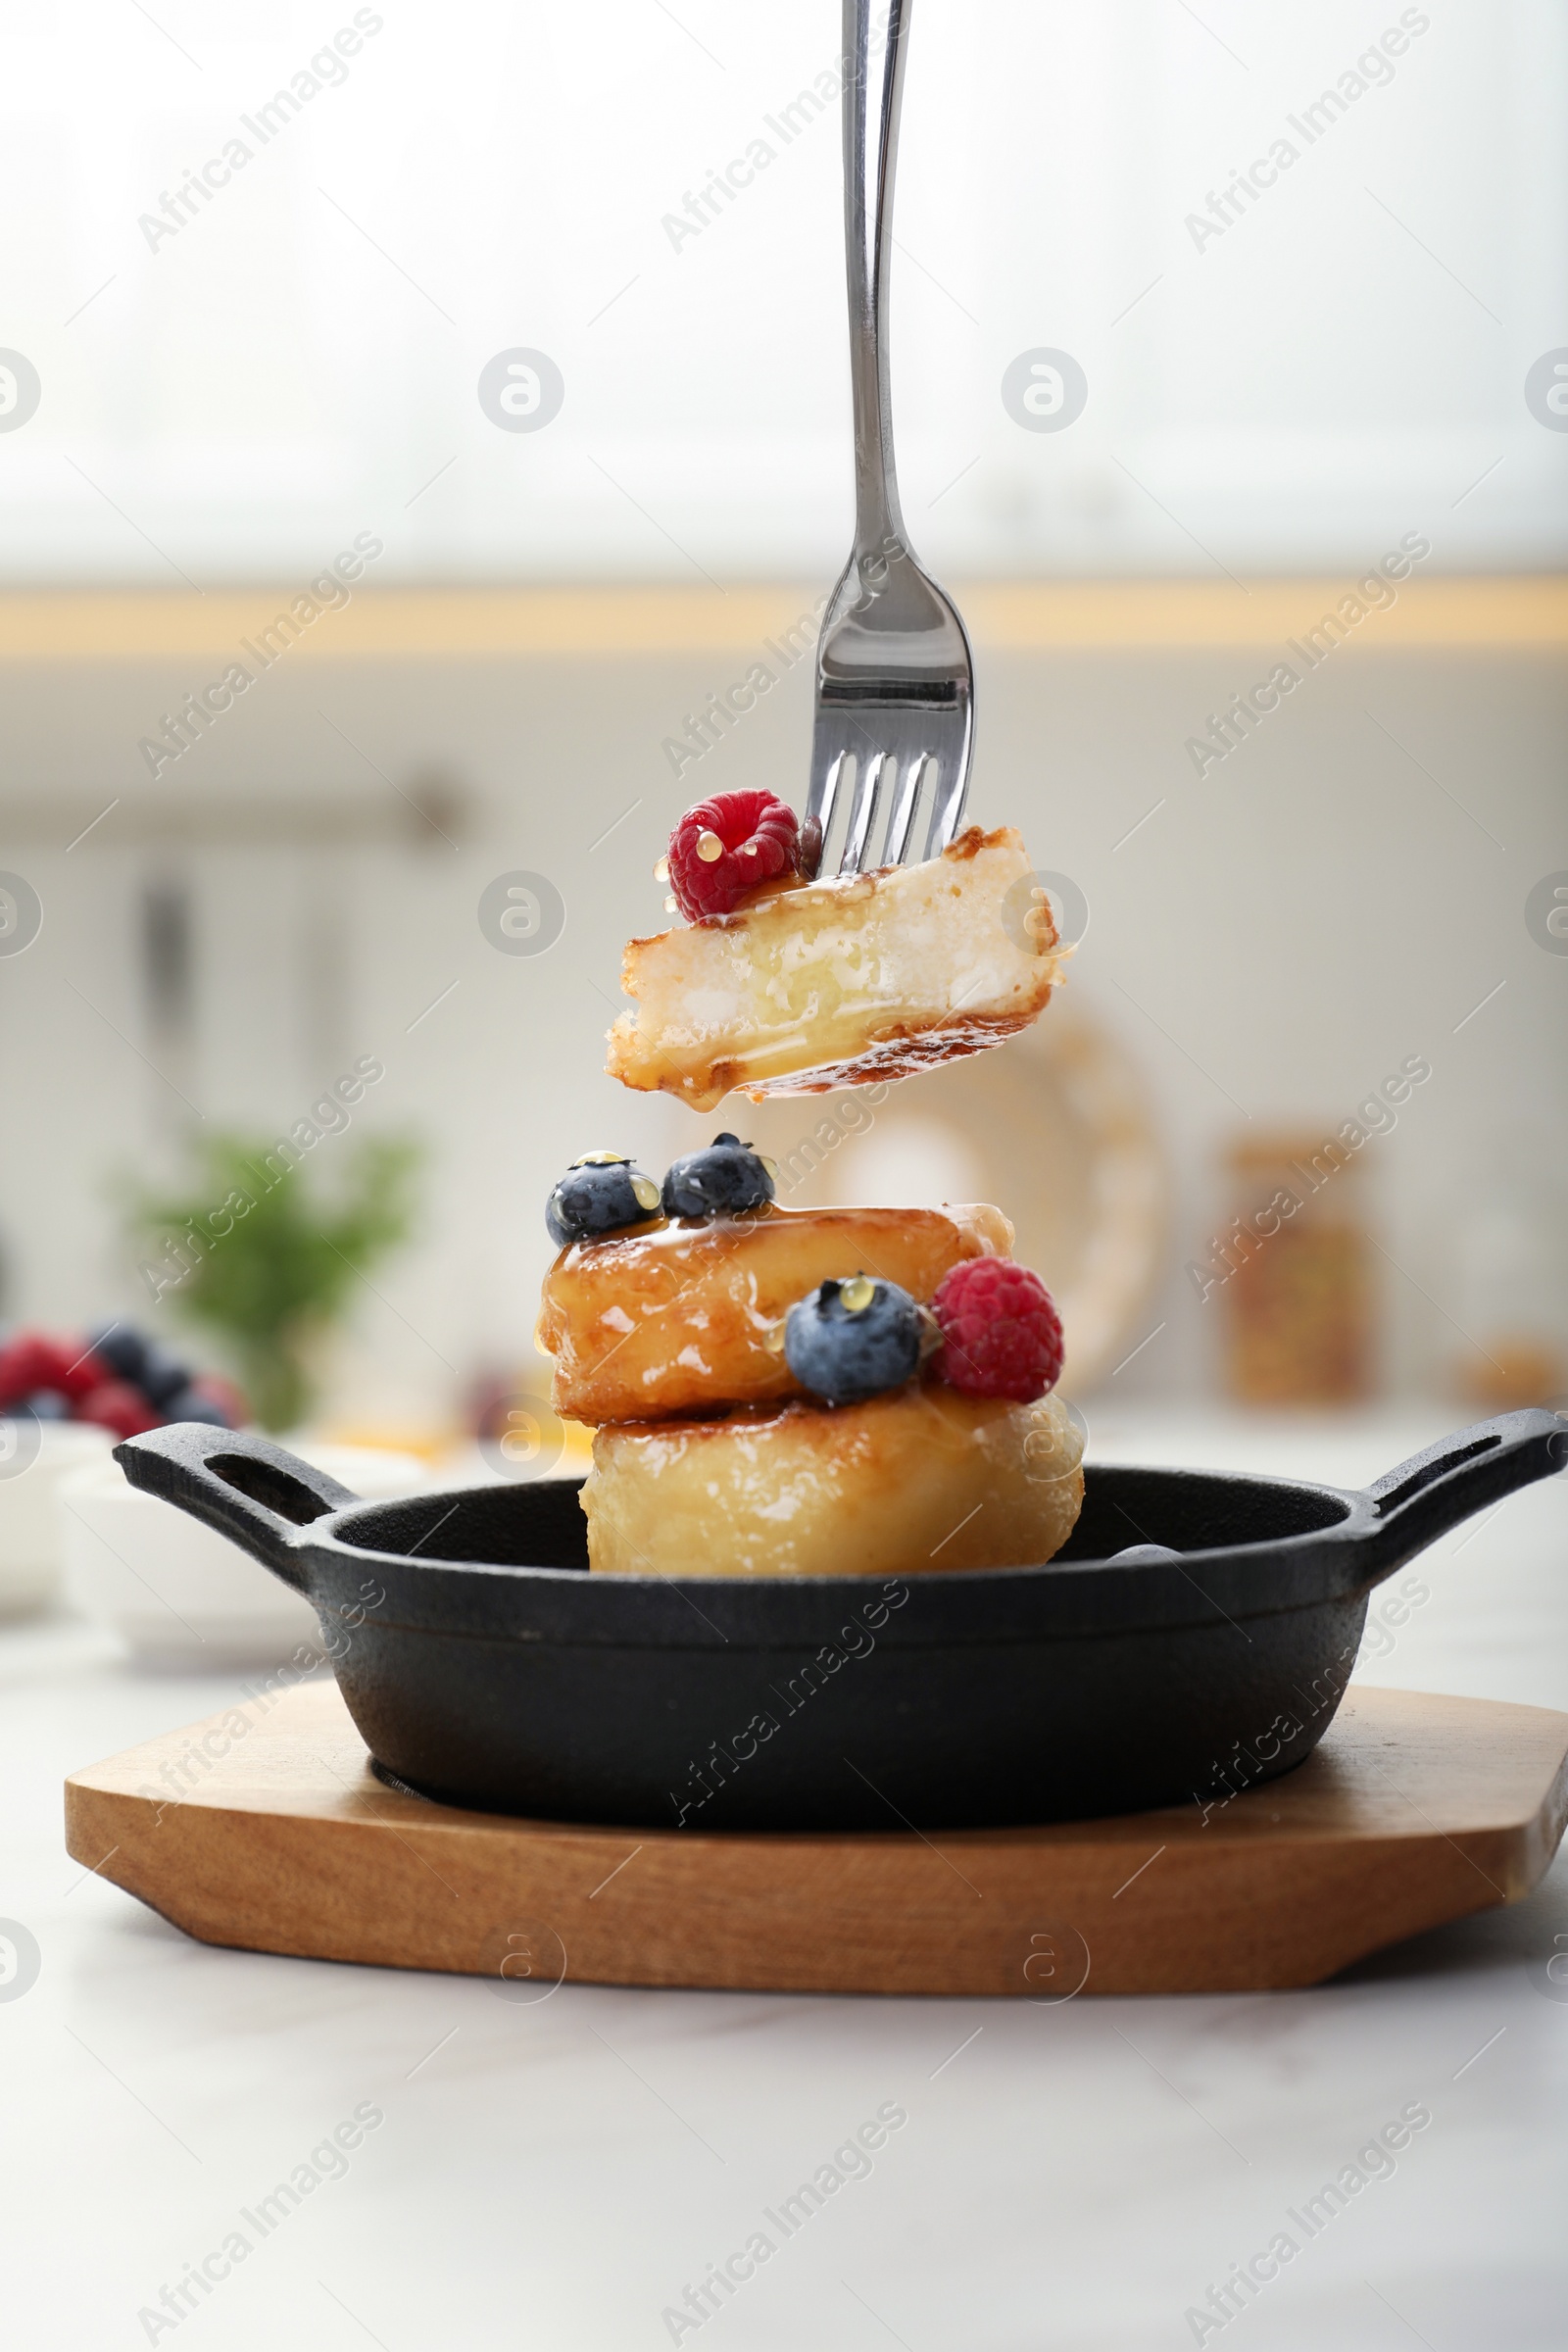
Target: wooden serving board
1412, 1811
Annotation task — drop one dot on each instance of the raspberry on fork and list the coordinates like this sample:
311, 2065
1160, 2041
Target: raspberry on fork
1001, 1332
725, 848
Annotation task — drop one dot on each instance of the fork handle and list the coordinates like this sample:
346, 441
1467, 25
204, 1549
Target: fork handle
873, 92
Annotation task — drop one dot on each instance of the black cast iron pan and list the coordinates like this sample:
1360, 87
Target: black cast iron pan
484, 1666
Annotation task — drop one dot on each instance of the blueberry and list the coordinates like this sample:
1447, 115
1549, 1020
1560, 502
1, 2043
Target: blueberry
600, 1194
162, 1378
147, 1366
852, 1339
727, 1180
122, 1349
189, 1405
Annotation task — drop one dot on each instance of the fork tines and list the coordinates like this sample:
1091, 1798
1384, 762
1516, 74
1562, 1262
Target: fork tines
882, 745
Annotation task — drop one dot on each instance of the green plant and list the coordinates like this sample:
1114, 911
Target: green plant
264, 1254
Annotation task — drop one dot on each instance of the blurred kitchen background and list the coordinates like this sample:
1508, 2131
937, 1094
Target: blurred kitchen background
519, 334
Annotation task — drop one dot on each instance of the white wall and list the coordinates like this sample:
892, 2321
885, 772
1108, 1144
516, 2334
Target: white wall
299, 360
1273, 942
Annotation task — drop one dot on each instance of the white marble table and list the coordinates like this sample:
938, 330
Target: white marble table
558, 2174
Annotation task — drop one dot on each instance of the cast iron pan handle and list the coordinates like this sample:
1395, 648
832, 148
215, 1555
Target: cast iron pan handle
1458, 1476
248, 1489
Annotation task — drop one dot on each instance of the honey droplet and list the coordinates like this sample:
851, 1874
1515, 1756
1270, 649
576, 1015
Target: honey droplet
600, 1159
769, 1165
647, 1192
858, 1293
710, 848
773, 1339
662, 871
671, 905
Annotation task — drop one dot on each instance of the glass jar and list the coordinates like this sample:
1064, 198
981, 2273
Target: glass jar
1507, 1343
1297, 1275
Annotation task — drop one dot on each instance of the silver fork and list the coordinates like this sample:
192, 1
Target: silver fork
895, 677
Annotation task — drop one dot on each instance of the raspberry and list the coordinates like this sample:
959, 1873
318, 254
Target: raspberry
1001, 1332
82, 1369
724, 848
116, 1406
220, 1401
30, 1361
